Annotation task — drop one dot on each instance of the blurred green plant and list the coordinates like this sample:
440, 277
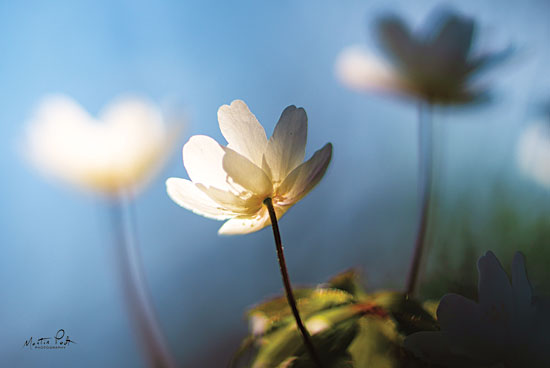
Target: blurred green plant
349, 327
508, 220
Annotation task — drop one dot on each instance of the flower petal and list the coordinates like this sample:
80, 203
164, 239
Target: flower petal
453, 39
250, 224
305, 177
534, 152
63, 141
360, 70
56, 118
495, 291
467, 327
239, 205
246, 174
62, 110
202, 158
133, 112
397, 41
187, 195
287, 146
436, 348
245, 224
459, 316
242, 131
520, 283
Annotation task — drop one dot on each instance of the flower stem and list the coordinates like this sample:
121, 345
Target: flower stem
286, 282
425, 153
136, 293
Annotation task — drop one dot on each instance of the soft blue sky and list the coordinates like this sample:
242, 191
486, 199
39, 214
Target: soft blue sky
56, 269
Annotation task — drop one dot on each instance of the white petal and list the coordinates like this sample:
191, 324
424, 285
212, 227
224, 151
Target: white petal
534, 153
250, 224
63, 141
287, 146
305, 177
360, 70
203, 158
242, 131
137, 136
239, 205
134, 111
246, 174
61, 109
245, 224
187, 195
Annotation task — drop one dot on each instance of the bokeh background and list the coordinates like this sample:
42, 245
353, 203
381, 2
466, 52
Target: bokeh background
56, 264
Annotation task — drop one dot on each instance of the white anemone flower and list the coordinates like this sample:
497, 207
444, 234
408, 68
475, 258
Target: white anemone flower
506, 328
361, 70
231, 183
118, 150
436, 64
533, 153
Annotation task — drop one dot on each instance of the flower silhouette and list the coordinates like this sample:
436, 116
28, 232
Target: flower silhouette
231, 183
436, 65
506, 328
118, 150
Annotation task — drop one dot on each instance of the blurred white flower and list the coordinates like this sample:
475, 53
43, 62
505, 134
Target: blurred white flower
359, 69
533, 152
119, 150
232, 182
435, 65
507, 328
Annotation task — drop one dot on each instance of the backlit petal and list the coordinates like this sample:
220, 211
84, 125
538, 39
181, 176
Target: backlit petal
250, 224
246, 174
187, 195
305, 177
202, 158
237, 204
245, 224
133, 111
287, 146
242, 131
360, 70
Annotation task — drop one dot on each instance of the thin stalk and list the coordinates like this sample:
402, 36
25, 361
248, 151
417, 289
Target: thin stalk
138, 300
425, 162
288, 288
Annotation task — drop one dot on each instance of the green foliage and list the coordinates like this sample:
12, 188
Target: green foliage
276, 312
350, 328
506, 221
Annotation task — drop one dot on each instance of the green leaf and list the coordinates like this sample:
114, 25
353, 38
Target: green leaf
349, 281
245, 354
411, 317
331, 330
270, 315
409, 314
376, 344
430, 306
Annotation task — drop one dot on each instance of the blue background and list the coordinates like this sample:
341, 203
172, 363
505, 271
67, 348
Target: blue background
56, 264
